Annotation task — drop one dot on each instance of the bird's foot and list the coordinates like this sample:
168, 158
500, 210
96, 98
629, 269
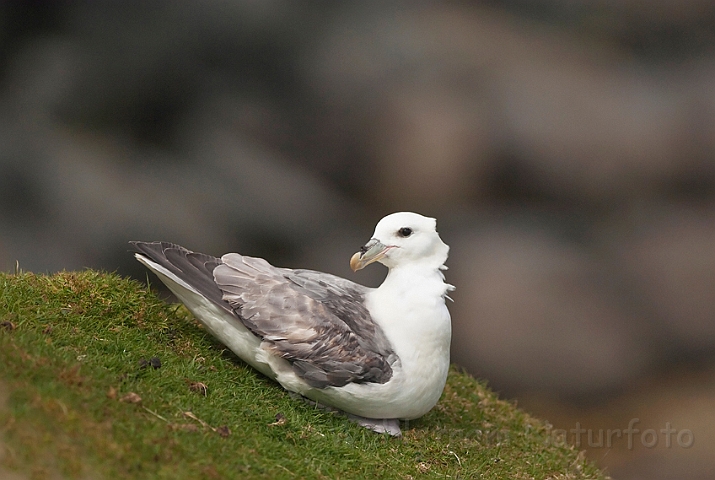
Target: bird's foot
379, 425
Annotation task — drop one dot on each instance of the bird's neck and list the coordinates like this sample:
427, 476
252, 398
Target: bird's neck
418, 277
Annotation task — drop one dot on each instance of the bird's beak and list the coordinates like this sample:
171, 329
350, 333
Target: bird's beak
372, 251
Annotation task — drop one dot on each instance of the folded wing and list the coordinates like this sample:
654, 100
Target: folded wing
316, 321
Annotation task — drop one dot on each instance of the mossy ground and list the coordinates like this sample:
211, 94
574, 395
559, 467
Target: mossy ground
82, 400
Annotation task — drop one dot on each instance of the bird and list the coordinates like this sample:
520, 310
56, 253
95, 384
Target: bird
379, 355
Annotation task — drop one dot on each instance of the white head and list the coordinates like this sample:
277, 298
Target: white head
403, 238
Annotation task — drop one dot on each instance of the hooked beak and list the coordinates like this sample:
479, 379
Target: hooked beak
371, 252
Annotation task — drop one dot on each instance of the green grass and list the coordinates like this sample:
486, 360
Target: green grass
71, 351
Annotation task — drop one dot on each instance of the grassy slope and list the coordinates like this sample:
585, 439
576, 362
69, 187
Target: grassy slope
71, 346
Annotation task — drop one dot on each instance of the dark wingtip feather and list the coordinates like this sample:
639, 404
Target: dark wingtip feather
196, 269
155, 248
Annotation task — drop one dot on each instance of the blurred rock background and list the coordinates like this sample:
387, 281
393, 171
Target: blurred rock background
566, 148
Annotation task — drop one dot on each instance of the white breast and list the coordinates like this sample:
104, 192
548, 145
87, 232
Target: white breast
416, 321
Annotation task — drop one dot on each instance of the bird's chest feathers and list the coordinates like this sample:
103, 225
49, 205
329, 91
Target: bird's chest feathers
411, 310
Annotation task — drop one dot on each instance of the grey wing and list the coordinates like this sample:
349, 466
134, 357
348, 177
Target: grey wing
316, 321
338, 295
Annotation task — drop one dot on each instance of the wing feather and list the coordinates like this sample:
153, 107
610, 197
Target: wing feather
196, 269
316, 321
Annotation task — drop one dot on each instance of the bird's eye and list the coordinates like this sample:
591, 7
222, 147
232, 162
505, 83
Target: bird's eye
404, 232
